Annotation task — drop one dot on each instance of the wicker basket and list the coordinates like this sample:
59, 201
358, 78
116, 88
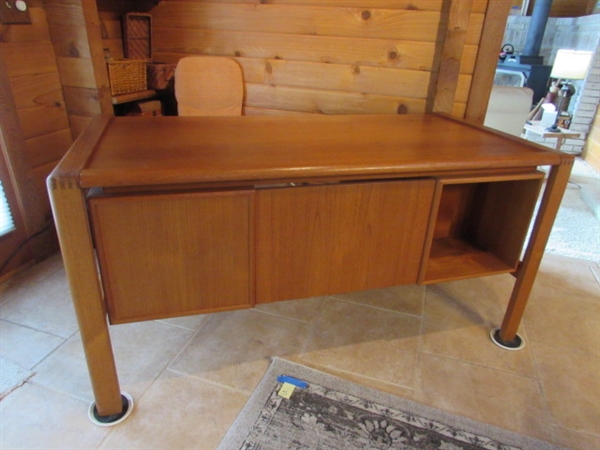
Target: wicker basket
127, 75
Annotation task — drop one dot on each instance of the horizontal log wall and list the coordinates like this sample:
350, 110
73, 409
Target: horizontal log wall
327, 56
76, 36
33, 72
42, 124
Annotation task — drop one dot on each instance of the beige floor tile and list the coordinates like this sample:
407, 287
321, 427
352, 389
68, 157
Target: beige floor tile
561, 321
367, 341
29, 279
178, 412
403, 299
360, 337
577, 441
233, 348
506, 400
571, 383
379, 384
460, 330
567, 278
25, 346
12, 376
44, 306
304, 310
482, 299
142, 351
37, 418
192, 323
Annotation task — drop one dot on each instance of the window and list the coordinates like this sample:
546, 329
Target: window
6, 219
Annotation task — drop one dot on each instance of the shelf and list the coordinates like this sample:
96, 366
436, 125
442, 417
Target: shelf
133, 96
479, 226
453, 259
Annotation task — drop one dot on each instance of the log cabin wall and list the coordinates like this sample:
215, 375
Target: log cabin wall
333, 56
298, 57
30, 62
111, 13
35, 133
76, 36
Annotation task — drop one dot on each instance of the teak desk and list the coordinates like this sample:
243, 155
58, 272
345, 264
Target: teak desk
167, 216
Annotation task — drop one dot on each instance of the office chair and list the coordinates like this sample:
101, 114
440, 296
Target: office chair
208, 86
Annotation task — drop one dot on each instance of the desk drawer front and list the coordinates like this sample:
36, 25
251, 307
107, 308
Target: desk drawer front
170, 255
321, 240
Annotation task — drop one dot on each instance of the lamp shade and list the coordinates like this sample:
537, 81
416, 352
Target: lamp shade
571, 64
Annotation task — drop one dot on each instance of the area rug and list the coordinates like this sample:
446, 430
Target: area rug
298, 408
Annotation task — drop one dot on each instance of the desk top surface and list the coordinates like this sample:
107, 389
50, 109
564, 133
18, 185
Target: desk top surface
138, 151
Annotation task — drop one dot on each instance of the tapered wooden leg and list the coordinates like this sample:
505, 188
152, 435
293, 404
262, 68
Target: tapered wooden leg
69, 209
525, 277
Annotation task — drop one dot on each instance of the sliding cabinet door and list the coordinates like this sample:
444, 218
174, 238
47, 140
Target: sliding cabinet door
319, 240
173, 254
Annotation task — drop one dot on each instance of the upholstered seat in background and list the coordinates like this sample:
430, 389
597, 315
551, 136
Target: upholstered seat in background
208, 86
508, 109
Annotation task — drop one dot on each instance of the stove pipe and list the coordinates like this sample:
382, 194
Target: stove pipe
535, 34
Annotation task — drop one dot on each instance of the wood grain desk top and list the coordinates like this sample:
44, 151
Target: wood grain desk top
137, 151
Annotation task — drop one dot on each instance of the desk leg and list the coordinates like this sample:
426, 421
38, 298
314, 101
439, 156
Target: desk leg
557, 181
69, 209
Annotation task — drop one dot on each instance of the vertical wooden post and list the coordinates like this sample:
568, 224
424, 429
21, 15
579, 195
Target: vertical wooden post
81, 63
487, 58
553, 193
454, 43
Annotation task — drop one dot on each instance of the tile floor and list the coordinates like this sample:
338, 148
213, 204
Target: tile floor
191, 376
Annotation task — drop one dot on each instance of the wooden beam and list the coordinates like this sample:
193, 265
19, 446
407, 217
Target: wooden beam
454, 42
81, 64
93, 25
487, 59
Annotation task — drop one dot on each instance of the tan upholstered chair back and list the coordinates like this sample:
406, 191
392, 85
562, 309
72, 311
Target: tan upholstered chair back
208, 86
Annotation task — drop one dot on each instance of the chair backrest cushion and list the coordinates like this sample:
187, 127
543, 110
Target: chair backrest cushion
208, 86
508, 109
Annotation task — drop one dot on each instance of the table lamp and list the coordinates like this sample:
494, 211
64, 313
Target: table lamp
568, 65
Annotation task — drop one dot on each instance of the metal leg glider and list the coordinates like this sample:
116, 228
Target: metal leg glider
515, 344
113, 419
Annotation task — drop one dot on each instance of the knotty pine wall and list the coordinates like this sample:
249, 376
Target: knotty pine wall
54, 81
38, 130
298, 57
29, 60
324, 56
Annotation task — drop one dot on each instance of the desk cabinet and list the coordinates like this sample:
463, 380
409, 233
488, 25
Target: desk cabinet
167, 216
171, 254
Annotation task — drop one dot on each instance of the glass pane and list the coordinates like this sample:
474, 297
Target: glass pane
6, 220
509, 78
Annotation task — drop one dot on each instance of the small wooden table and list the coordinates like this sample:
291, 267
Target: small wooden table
560, 136
167, 216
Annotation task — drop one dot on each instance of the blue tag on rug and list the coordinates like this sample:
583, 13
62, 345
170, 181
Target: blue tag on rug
291, 380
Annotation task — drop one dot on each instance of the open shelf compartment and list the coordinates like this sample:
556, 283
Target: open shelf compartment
478, 225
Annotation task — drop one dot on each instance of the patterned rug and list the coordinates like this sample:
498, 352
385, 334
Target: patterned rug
298, 408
